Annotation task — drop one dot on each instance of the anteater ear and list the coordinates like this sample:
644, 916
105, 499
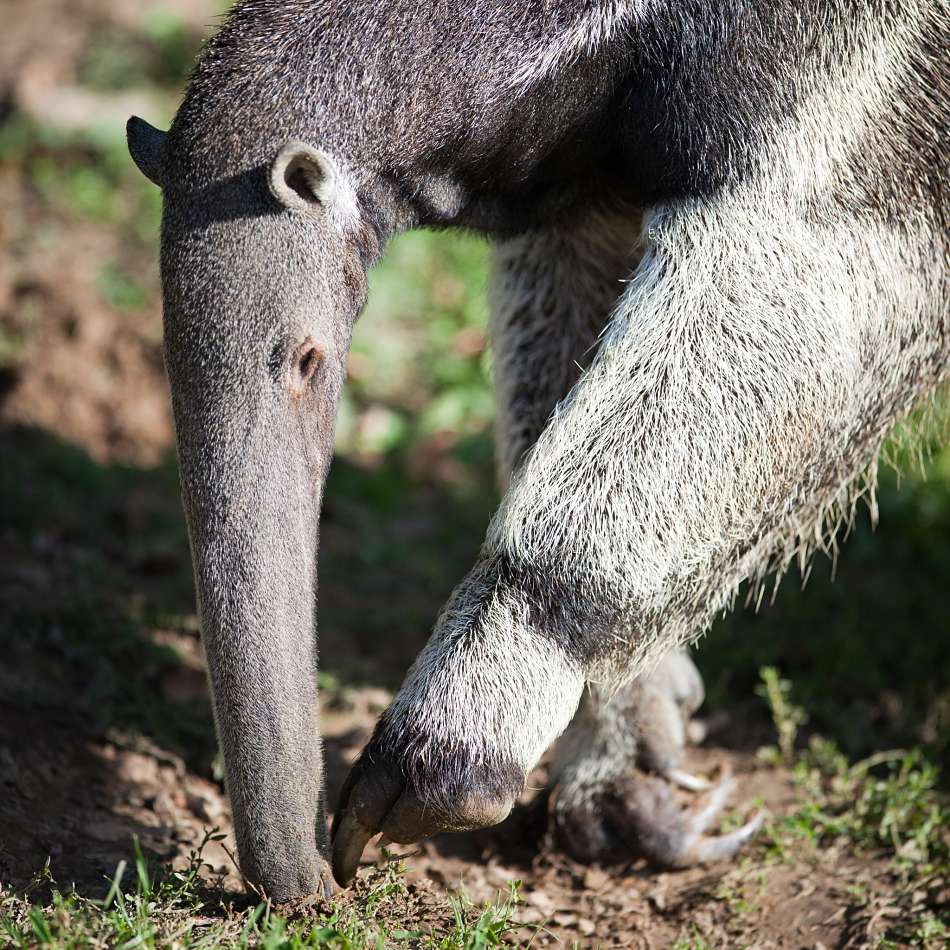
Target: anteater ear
147, 148
303, 177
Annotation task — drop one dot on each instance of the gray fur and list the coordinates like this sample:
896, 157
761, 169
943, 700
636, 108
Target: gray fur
781, 168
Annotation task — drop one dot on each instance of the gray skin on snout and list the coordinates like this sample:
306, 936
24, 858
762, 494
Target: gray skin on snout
261, 288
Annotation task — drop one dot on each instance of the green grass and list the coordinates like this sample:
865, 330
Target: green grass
159, 55
888, 804
423, 375
693, 941
120, 290
889, 801
150, 908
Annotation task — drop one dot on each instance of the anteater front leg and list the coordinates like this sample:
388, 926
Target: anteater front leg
746, 379
552, 294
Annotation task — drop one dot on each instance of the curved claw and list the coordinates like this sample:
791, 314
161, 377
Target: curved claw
371, 790
377, 798
349, 840
701, 819
692, 783
696, 847
704, 849
640, 815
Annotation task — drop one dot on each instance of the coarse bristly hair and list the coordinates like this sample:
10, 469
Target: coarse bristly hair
748, 373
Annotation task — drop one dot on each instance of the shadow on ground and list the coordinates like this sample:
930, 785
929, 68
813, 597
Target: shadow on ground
105, 723
104, 711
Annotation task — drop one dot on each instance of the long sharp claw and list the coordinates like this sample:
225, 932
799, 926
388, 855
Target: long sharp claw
705, 850
692, 783
702, 849
348, 843
700, 820
641, 815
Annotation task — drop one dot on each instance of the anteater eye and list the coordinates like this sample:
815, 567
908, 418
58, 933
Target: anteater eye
307, 361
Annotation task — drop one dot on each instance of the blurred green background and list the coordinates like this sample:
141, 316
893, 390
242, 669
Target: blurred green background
93, 555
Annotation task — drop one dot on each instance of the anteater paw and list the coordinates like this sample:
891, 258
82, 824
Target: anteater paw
419, 796
615, 820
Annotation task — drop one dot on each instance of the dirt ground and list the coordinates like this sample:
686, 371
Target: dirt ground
94, 562
78, 801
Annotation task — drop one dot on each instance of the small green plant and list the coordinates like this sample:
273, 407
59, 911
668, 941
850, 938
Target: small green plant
932, 932
786, 716
694, 940
889, 802
489, 929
